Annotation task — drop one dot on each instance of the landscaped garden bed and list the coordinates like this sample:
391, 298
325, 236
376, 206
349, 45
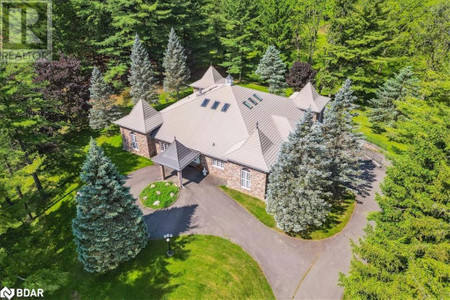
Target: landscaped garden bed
160, 194
336, 221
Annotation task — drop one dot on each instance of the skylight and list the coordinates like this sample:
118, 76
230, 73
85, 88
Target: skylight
252, 101
225, 107
205, 102
215, 105
247, 104
258, 97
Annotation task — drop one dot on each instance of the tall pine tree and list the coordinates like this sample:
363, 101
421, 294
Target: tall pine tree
298, 183
343, 141
176, 70
103, 110
363, 51
109, 228
142, 76
402, 85
272, 69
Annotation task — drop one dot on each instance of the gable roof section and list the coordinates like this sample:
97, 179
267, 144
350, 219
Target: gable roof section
309, 98
143, 118
253, 151
210, 78
177, 156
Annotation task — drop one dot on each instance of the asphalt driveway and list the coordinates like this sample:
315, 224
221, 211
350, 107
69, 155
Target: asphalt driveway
296, 269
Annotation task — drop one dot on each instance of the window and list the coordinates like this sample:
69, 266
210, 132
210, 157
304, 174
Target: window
205, 102
164, 146
258, 97
247, 104
245, 179
225, 107
252, 101
215, 105
134, 143
218, 163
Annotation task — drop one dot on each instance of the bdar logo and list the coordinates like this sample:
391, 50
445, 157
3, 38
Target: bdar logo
7, 293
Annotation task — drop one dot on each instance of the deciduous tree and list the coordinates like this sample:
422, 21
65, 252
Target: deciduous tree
300, 74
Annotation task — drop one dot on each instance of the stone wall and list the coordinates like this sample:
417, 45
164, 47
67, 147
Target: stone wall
232, 173
145, 143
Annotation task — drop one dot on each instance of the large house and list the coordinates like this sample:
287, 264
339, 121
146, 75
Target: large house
230, 131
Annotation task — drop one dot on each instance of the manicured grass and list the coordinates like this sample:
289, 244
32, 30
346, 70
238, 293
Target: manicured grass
258, 87
203, 267
338, 218
253, 205
150, 194
380, 139
340, 214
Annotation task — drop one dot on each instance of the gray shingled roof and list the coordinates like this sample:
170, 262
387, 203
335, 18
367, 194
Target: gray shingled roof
210, 78
177, 156
231, 135
309, 98
143, 118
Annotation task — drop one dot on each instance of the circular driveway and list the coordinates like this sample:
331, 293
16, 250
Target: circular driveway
295, 269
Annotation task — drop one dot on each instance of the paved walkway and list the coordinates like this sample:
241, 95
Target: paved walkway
296, 269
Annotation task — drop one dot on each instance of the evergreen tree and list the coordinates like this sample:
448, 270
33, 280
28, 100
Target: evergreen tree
405, 254
363, 51
236, 34
272, 69
343, 143
175, 67
141, 74
300, 74
402, 85
108, 228
298, 183
103, 110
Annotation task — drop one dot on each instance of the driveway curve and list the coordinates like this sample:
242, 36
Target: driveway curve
295, 269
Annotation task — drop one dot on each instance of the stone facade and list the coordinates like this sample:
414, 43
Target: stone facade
146, 146
232, 173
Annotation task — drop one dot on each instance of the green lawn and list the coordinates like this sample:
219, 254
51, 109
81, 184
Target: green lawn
338, 218
150, 194
253, 205
203, 267
258, 87
380, 139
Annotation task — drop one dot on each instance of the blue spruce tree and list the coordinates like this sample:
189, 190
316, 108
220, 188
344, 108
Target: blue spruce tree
176, 70
343, 142
142, 75
108, 228
103, 110
272, 69
402, 85
298, 187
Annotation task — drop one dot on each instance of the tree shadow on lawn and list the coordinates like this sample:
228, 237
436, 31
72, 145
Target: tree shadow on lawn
337, 210
367, 176
126, 162
174, 220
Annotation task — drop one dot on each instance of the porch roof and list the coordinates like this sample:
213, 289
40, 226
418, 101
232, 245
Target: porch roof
177, 156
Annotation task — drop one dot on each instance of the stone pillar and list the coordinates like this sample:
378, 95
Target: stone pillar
180, 178
163, 174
